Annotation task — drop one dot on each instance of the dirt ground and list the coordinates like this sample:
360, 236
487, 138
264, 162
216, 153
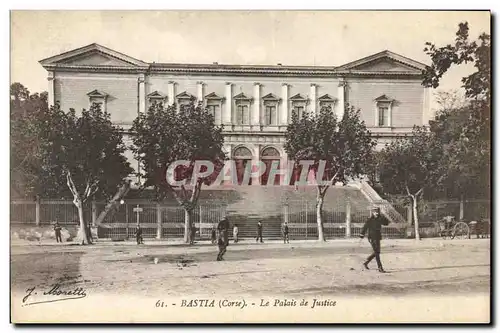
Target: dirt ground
430, 266
430, 281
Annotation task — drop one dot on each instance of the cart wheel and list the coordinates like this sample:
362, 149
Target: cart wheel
461, 230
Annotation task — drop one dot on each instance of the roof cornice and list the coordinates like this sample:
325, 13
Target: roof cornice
132, 65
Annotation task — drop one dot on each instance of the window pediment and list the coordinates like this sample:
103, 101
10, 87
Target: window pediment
271, 98
242, 97
185, 95
214, 96
327, 98
384, 99
96, 94
156, 95
298, 98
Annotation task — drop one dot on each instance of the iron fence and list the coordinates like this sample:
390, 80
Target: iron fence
159, 220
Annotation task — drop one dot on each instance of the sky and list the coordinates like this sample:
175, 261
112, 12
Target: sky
329, 38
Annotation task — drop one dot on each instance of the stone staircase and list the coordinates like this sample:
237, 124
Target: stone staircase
246, 205
376, 200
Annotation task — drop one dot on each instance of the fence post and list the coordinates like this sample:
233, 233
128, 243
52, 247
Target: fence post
461, 207
94, 213
307, 216
37, 211
348, 219
158, 221
200, 220
126, 219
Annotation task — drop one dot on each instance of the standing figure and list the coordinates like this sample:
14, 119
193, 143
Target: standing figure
57, 230
223, 239
286, 238
374, 227
259, 232
235, 233
193, 233
213, 237
138, 235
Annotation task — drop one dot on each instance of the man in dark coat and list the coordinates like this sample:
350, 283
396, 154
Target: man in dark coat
374, 227
57, 229
259, 232
286, 238
223, 239
138, 235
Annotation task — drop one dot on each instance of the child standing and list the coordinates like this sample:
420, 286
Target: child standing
235, 233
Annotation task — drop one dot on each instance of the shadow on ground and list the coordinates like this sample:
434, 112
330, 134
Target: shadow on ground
45, 269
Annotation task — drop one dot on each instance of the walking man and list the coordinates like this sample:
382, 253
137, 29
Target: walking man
374, 227
138, 235
286, 239
57, 230
223, 239
259, 232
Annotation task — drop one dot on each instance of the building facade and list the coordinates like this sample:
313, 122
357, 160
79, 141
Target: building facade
254, 103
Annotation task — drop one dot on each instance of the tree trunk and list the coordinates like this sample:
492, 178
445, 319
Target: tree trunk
115, 201
83, 232
188, 219
415, 217
319, 217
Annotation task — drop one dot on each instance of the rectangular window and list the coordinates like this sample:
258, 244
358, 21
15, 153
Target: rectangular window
270, 115
242, 115
214, 110
299, 110
383, 116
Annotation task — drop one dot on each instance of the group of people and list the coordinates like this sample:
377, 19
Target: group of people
372, 228
220, 235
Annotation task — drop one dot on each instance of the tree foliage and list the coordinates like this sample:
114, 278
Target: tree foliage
345, 146
165, 135
464, 131
86, 146
26, 109
411, 166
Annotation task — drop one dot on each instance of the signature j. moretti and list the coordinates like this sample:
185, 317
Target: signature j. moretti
54, 293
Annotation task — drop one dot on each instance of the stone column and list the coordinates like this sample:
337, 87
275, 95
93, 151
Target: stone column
284, 104
341, 99
171, 92
313, 98
142, 93
256, 164
199, 91
226, 114
51, 91
256, 104
37, 211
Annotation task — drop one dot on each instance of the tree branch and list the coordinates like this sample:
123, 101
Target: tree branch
71, 185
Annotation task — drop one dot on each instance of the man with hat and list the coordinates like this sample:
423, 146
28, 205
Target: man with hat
223, 237
374, 227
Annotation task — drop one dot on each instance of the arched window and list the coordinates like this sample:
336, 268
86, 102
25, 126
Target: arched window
242, 153
268, 156
270, 152
242, 156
